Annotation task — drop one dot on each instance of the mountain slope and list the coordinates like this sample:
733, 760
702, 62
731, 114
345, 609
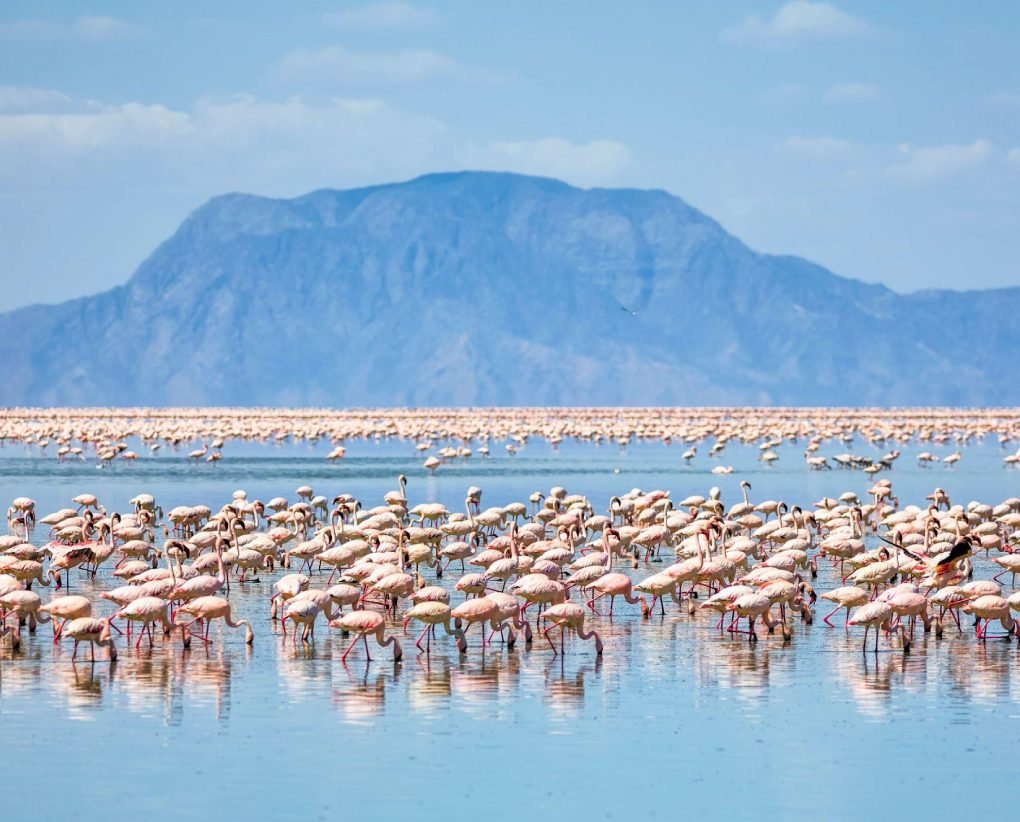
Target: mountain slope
486, 288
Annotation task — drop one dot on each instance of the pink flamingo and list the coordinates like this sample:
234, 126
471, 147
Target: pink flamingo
364, 622
568, 615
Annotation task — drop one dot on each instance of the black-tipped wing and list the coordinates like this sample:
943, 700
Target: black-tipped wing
957, 552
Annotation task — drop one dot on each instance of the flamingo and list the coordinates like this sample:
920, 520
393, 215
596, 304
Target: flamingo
66, 608
877, 615
147, 611
751, 607
479, 609
94, 631
361, 623
611, 584
431, 613
568, 615
848, 596
206, 609
987, 608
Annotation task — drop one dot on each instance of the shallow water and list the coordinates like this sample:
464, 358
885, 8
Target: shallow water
674, 719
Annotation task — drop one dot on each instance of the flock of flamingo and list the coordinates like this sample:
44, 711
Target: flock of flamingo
533, 573
69, 433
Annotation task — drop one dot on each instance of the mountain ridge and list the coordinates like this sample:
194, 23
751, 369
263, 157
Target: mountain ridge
489, 288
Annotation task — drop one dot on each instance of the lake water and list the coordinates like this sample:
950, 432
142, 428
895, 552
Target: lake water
675, 719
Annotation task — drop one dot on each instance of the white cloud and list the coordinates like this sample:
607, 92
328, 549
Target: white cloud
381, 15
131, 124
819, 148
800, 20
336, 66
88, 27
275, 147
239, 141
14, 99
294, 144
593, 163
929, 163
851, 93
1013, 157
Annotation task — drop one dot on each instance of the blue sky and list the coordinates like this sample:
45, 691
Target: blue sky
879, 139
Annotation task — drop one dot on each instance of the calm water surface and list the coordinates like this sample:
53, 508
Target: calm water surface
675, 719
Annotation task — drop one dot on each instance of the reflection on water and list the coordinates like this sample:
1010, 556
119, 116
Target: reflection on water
672, 698
359, 694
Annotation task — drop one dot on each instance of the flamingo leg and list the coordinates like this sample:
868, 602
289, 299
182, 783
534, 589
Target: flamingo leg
825, 618
350, 648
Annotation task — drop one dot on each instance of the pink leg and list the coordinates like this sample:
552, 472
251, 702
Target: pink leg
825, 618
349, 648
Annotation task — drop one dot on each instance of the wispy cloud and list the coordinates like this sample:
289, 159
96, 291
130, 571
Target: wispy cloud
234, 143
337, 67
593, 163
800, 20
380, 16
934, 162
15, 99
1013, 157
819, 148
851, 93
98, 127
88, 27
271, 146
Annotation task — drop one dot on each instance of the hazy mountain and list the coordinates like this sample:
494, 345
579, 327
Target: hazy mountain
483, 288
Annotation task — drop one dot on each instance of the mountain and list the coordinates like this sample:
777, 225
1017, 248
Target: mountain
497, 289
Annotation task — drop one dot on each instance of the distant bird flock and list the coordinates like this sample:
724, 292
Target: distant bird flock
103, 433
